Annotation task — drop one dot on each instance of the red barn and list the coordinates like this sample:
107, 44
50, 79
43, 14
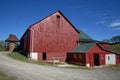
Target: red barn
54, 37
92, 54
51, 37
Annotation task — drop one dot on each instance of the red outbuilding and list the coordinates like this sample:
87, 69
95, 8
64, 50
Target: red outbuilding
92, 54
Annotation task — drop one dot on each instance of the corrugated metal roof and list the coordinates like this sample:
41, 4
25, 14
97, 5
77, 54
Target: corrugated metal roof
83, 48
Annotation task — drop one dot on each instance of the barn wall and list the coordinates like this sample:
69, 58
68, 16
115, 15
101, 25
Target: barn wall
117, 59
61, 57
25, 42
76, 58
104, 45
54, 35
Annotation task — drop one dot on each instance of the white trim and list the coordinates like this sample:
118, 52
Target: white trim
34, 56
88, 65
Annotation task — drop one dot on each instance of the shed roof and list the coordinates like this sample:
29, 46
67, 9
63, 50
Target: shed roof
12, 38
83, 48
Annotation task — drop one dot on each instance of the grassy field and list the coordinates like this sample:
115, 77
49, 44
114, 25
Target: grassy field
4, 76
20, 57
115, 48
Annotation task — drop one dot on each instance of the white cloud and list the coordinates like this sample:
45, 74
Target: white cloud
115, 24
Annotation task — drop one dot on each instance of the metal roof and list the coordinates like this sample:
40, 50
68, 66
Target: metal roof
84, 36
83, 48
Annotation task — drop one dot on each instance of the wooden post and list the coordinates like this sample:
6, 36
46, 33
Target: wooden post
53, 61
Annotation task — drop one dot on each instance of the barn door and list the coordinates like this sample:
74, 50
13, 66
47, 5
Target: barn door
110, 59
96, 60
44, 55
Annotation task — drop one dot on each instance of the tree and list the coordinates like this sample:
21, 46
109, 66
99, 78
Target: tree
113, 39
2, 45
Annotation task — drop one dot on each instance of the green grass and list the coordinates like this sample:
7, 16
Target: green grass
115, 47
4, 76
20, 57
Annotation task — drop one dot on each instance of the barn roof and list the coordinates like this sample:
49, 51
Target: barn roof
83, 35
83, 48
12, 38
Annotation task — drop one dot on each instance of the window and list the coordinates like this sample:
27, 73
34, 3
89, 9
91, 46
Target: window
75, 56
80, 56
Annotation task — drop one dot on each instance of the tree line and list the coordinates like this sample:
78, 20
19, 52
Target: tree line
114, 39
2, 45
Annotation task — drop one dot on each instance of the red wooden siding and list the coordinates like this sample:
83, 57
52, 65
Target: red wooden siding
117, 59
51, 55
53, 35
25, 42
78, 58
105, 45
96, 50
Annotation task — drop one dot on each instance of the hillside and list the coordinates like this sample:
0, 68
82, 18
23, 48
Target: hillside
115, 47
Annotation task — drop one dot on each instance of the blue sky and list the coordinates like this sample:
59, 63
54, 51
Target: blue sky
100, 19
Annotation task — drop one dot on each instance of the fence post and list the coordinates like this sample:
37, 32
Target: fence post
53, 61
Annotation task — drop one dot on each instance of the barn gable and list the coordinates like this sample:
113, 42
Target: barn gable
54, 23
46, 19
54, 34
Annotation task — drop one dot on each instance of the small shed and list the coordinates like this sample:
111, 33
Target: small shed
92, 54
12, 41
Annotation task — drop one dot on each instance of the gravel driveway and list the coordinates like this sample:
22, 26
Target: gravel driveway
27, 71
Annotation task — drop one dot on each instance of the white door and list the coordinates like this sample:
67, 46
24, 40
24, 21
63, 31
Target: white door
110, 59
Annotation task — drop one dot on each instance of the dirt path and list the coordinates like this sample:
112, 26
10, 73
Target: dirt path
27, 71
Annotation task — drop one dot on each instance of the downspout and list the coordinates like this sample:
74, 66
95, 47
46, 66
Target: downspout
32, 39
